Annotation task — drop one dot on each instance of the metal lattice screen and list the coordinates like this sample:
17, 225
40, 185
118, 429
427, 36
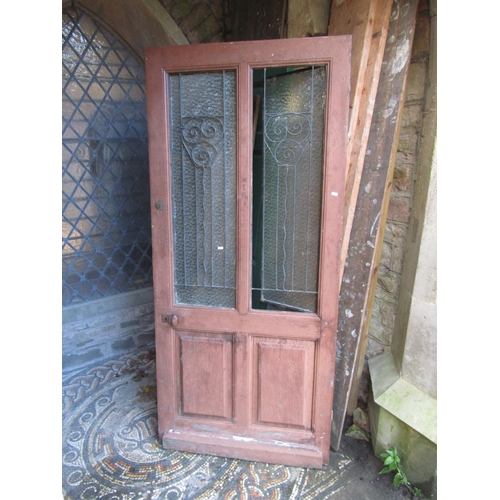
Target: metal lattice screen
106, 247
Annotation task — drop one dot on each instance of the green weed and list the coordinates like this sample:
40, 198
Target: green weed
392, 463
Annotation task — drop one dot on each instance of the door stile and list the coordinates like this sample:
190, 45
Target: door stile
333, 181
161, 225
332, 225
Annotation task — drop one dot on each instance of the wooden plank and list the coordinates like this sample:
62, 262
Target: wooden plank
361, 267
361, 351
355, 18
367, 21
369, 25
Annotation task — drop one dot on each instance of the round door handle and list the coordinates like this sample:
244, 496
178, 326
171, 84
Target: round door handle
171, 319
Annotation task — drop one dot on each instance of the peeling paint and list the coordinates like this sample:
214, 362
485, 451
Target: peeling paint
395, 13
391, 105
241, 438
349, 313
374, 223
401, 57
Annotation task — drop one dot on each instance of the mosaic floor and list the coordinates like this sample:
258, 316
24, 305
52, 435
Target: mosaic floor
111, 451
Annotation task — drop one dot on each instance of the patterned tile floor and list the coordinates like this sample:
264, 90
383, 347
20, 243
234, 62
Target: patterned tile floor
111, 451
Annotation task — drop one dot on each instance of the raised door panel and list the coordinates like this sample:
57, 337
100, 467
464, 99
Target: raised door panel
283, 382
206, 375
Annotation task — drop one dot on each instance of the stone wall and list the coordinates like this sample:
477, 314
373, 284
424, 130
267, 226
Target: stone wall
202, 21
97, 330
398, 219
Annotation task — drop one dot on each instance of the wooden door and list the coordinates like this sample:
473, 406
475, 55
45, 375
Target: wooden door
246, 243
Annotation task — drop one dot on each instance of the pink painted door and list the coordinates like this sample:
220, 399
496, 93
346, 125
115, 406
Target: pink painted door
247, 223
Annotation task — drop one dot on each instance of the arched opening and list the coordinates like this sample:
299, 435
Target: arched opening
105, 188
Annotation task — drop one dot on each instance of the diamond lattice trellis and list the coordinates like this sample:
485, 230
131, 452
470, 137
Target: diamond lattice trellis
106, 246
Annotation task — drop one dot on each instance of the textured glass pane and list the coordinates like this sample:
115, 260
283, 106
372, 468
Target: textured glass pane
203, 151
293, 129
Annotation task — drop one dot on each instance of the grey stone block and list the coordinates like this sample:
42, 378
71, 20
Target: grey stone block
82, 359
124, 344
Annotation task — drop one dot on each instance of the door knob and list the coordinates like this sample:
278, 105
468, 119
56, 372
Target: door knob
171, 319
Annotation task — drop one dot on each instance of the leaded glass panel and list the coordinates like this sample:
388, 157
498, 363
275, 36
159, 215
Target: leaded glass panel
106, 244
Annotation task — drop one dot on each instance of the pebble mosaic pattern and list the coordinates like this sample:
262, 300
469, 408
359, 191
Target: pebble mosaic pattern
111, 449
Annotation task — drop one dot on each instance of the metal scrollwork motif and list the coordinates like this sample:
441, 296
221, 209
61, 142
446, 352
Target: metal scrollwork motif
287, 136
203, 138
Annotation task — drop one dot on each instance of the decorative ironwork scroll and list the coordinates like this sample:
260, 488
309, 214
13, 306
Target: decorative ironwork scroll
287, 137
203, 138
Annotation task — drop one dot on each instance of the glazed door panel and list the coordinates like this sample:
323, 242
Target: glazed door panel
246, 229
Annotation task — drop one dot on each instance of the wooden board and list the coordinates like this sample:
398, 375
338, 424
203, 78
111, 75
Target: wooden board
361, 266
355, 18
368, 20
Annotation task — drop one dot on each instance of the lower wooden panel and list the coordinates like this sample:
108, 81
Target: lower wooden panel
283, 382
244, 448
206, 375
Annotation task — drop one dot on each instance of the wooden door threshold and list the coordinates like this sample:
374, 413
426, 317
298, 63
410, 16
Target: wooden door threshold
276, 452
